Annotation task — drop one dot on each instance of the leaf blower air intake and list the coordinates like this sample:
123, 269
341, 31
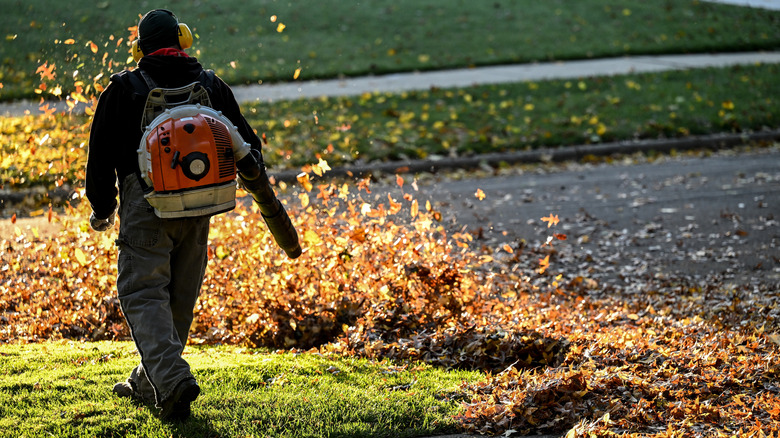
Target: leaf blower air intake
254, 178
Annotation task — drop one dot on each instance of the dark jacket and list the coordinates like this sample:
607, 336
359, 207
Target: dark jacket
116, 127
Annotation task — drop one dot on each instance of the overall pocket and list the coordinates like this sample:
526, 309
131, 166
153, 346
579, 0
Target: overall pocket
138, 225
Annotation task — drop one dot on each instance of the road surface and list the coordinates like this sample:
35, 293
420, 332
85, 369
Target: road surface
700, 215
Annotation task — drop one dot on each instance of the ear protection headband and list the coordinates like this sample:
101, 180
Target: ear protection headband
185, 38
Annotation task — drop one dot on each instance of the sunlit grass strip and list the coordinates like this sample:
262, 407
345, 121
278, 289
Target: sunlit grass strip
500, 118
63, 389
448, 122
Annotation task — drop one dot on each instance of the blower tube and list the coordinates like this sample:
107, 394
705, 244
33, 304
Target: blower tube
254, 178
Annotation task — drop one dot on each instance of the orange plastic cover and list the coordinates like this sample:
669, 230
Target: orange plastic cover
190, 152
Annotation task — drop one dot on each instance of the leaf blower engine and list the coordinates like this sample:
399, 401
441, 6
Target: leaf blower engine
188, 159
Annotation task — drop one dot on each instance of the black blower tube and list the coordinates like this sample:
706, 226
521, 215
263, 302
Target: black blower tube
251, 171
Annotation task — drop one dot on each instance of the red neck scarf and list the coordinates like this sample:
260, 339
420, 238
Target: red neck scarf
170, 51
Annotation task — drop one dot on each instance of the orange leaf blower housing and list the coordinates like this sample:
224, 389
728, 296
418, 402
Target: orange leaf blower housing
190, 152
187, 159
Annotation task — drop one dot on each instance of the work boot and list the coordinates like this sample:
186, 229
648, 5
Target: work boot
124, 390
177, 406
128, 389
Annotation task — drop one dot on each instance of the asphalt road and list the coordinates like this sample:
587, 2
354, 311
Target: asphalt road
701, 215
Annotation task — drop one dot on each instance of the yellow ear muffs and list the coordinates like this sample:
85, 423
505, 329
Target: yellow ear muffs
137, 52
185, 36
185, 42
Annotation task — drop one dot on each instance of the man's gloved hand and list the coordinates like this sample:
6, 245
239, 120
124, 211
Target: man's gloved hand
101, 224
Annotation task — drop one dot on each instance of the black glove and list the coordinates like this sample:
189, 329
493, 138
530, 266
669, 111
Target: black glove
101, 224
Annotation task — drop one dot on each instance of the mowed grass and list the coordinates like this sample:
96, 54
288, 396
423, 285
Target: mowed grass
252, 41
63, 389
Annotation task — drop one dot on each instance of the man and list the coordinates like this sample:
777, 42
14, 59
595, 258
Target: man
161, 262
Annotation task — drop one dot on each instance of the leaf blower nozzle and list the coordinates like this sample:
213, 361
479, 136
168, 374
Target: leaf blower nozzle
254, 178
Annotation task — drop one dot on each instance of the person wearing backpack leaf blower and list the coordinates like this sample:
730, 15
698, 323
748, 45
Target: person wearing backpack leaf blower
165, 162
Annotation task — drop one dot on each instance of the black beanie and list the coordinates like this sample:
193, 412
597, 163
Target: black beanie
158, 29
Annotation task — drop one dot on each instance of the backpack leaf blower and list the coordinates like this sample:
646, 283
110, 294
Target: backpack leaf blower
253, 176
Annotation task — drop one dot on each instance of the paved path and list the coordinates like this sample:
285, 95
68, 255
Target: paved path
473, 76
764, 4
498, 74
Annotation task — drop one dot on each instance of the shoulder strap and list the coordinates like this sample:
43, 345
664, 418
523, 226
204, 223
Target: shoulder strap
130, 81
207, 79
159, 99
141, 83
150, 84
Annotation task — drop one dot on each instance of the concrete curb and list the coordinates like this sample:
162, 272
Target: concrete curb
712, 142
715, 141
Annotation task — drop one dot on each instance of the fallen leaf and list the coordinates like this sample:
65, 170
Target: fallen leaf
551, 220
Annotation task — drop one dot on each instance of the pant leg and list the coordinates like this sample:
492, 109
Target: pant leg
158, 323
188, 267
142, 384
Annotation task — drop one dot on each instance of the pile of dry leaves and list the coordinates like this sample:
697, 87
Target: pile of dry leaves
561, 353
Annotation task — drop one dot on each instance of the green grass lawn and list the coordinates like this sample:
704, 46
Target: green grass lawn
244, 41
63, 389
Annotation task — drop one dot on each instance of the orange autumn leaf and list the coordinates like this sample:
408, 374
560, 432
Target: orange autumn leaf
415, 208
395, 207
46, 71
13, 218
544, 264
93, 47
480, 194
320, 168
508, 248
46, 109
304, 198
551, 220
363, 184
399, 180
303, 178
69, 41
